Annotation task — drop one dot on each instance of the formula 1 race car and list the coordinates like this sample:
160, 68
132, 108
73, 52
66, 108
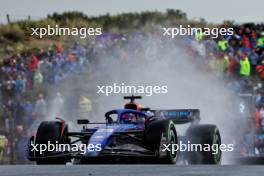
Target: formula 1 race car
127, 135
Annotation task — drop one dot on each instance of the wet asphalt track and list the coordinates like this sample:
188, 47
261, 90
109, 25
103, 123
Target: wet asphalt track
131, 170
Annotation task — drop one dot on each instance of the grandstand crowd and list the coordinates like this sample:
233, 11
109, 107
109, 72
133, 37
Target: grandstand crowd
239, 58
23, 103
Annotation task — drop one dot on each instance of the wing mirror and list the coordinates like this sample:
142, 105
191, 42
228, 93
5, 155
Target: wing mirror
109, 120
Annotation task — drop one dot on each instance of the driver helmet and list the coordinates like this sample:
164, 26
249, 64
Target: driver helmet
128, 118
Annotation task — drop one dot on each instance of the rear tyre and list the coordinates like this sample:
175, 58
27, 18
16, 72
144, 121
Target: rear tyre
50, 131
206, 135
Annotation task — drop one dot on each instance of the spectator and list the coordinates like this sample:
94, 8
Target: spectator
261, 117
3, 145
260, 70
28, 114
85, 107
21, 145
219, 65
57, 106
18, 111
60, 76
244, 65
261, 57
260, 41
248, 38
254, 59
20, 86
44, 67
40, 109
33, 63
38, 79
257, 118
222, 44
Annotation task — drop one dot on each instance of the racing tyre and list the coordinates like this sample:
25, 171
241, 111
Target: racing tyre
54, 132
158, 133
206, 135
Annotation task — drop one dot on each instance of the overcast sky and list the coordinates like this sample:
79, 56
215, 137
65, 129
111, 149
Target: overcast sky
211, 10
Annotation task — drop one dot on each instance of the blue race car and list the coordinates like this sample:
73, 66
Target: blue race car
131, 134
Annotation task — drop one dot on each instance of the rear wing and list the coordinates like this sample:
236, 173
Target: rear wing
179, 116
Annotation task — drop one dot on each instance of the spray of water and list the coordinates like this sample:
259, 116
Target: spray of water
154, 61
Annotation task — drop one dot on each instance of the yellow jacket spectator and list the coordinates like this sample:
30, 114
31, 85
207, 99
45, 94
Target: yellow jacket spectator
219, 65
85, 107
244, 66
222, 44
3, 145
38, 78
260, 41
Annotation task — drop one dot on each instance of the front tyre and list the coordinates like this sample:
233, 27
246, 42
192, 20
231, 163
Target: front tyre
159, 133
171, 138
52, 132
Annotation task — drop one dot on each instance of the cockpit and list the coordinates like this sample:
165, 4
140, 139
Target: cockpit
125, 117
